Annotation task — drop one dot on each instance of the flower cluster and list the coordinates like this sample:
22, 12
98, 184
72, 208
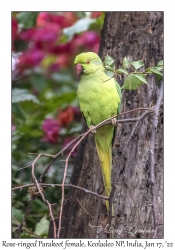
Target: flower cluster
52, 127
44, 47
45, 39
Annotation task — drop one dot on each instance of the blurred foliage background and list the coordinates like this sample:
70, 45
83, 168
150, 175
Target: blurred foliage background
45, 113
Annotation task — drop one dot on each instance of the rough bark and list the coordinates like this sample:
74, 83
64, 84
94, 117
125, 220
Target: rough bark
136, 35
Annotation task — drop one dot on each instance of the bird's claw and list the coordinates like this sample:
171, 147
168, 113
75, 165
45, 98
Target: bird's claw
114, 121
93, 131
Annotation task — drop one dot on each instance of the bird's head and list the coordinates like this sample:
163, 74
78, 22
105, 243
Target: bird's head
87, 63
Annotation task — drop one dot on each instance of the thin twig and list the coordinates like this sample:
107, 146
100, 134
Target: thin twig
46, 155
25, 167
123, 120
35, 179
51, 215
60, 185
56, 156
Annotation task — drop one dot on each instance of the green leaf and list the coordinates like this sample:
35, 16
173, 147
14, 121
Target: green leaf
108, 61
76, 129
80, 26
17, 216
38, 81
137, 64
60, 101
154, 70
109, 73
61, 77
42, 226
126, 63
140, 77
27, 19
133, 81
159, 68
158, 78
122, 71
21, 95
80, 14
160, 63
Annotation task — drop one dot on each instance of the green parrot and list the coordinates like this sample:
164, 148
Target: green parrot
99, 99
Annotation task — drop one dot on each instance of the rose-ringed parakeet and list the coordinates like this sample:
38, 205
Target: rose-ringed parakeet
98, 100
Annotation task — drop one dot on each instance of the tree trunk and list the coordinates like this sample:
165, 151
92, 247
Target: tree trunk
137, 168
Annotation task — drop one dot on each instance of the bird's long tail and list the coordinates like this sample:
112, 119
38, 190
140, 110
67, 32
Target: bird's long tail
106, 167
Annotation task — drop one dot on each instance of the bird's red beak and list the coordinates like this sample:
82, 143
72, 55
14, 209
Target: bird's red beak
79, 68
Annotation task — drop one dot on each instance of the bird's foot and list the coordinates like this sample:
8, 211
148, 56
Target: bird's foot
93, 131
114, 121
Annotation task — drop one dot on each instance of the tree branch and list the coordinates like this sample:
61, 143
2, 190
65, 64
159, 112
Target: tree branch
35, 179
59, 185
51, 215
56, 156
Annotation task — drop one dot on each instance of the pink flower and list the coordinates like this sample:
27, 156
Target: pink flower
30, 58
45, 34
61, 48
45, 39
96, 14
26, 35
66, 142
54, 67
70, 18
60, 21
88, 39
45, 19
63, 60
65, 116
51, 129
14, 31
91, 39
68, 115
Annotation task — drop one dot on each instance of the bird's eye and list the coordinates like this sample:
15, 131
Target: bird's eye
87, 61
